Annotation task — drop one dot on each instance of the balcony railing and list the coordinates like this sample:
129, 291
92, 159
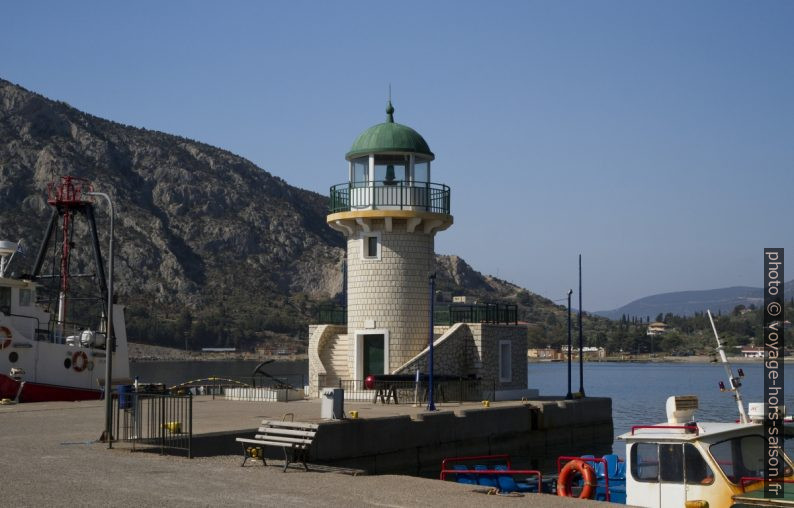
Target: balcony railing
392, 195
493, 313
331, 315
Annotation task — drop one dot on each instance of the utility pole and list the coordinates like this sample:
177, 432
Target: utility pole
570, 345
581, 334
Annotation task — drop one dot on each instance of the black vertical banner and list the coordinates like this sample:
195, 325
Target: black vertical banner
774, 304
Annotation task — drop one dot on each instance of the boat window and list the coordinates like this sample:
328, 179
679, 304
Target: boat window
645, 462
25, 297
5, 300
740, 457
697, 470
671, 463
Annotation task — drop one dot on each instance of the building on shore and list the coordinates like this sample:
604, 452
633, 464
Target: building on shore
589, 352
657, 328
544, 354
753, 352
390, 210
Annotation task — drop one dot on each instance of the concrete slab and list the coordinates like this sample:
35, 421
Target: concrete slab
50, 458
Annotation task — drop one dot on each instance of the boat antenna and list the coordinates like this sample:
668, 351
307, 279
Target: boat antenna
734, 381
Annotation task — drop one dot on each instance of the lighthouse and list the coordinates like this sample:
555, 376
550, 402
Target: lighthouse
389, 211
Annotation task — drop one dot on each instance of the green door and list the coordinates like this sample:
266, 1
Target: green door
373, 354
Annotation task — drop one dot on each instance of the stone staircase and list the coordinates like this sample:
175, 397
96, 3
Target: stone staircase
334, 358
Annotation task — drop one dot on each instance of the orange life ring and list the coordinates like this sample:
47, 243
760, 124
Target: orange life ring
7, 342
565, 481
83, 363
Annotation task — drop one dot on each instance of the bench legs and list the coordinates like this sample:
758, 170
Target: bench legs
298, 455
293, 456
246, 456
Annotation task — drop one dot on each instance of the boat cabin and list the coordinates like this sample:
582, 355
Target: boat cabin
18, 306
687, 463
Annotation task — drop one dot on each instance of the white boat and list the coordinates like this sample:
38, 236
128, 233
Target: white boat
45, 357
683, 462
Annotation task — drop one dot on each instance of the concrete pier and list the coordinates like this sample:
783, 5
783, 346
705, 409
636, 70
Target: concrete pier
535, 432
50, 455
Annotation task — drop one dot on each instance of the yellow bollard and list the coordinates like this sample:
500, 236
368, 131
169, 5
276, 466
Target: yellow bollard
174, 427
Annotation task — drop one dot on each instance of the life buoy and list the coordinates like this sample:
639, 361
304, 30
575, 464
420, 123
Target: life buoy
571, 469
7, 342
82, 364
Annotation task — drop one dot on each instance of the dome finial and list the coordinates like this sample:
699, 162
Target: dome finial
390, 109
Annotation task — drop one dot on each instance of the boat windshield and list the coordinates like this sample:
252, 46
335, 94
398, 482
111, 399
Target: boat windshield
743, 457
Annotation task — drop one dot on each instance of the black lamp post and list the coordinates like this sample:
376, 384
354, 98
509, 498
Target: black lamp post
109, 342
581, 334
431, 405
570, 346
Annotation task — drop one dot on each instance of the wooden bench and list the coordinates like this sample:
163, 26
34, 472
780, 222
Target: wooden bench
295, 438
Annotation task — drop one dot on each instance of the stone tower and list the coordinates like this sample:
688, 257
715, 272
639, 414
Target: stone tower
389, 212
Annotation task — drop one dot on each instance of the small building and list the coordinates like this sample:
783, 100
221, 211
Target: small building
464, 299
589, 352
657, 328
544, 354
753, 352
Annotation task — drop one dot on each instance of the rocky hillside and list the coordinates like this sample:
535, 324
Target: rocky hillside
211, 249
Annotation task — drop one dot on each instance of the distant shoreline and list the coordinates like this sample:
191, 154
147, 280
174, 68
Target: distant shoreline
145, 353
656, 359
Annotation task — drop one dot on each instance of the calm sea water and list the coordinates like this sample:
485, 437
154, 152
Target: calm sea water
638, 390
172, 373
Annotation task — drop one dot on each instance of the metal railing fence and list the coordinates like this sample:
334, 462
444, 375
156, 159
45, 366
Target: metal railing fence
154, 420
408, 392
332, 315
283, 388
397, 194
491, 313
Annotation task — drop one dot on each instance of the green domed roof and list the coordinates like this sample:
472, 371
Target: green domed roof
389, 137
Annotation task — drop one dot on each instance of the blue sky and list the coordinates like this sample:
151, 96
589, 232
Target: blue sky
656, 139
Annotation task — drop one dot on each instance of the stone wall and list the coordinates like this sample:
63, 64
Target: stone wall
472, 349
534, 433
487, 338
391, 292
318, 335
451, 354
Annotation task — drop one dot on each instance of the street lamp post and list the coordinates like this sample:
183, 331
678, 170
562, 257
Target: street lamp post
431, 405
109, 342
570, 346
581, 334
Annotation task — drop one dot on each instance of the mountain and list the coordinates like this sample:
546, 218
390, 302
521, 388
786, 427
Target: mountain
210, 248
686, 303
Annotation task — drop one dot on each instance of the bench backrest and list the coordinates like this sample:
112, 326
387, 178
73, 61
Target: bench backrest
297, 433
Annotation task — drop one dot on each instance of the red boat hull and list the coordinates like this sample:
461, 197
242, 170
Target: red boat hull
39, 392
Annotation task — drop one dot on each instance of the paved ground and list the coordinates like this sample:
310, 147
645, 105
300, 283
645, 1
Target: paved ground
50, 457
226, 415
